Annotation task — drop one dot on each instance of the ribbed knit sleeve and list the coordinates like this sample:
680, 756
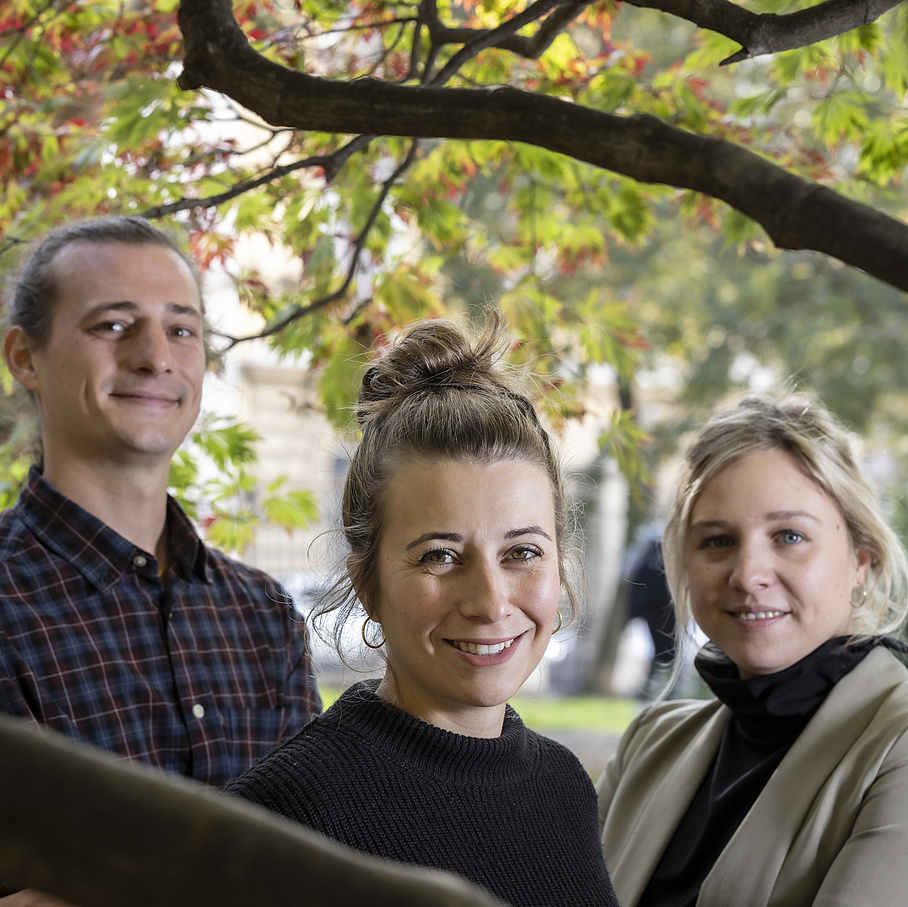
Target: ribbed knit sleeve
516, 814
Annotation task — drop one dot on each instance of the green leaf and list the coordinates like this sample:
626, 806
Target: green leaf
231, 533
624, 442
225, 440
838, 116
884, 153
293, 510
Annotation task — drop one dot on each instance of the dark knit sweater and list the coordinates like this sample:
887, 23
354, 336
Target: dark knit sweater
516, 813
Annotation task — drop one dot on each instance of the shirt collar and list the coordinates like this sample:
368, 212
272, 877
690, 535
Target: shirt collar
92, 548
188, 554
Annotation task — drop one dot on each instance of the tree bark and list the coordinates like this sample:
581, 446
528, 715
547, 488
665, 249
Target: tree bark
796, 213
770, 33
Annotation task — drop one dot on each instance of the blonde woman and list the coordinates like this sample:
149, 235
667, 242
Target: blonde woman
790, 788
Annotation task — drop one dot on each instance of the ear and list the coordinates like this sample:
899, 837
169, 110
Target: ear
358, 587
19, 355
863, 561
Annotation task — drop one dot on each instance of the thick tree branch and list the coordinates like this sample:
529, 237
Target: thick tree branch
129, 836
796, 213
770, 33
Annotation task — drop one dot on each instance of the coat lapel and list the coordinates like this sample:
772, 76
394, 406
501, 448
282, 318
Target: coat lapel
654, 795
750, 864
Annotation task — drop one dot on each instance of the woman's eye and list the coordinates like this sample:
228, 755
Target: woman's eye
790, 537
437, 556
717, 541
524, 553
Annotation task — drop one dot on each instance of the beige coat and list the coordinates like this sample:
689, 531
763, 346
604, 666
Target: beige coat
830, 828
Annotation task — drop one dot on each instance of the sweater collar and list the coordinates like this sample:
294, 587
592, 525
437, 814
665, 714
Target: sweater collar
430, 750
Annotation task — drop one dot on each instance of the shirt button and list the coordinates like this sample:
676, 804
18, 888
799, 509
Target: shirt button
140, 560
198, 710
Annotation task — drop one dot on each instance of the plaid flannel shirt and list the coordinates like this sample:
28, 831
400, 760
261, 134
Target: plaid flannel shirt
200, 673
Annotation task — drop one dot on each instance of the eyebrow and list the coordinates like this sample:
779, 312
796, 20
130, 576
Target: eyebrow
126, 305
457, 537
774, 516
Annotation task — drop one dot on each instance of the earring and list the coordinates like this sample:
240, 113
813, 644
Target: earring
862, 599
372, 645
558, 612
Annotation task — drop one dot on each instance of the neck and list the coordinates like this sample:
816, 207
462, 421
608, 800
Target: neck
129, 499
478, 721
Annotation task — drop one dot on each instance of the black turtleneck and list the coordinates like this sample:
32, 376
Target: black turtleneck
769, 711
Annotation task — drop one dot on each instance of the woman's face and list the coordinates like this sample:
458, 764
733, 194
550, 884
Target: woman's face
771, 566
468, 587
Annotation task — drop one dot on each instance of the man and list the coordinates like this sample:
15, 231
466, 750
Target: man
118, 626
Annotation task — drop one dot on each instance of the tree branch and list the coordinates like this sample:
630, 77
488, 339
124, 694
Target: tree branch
300, 311
796, 213
490, 38
770, 33
212, 201
330, 163
531, 46
20, 31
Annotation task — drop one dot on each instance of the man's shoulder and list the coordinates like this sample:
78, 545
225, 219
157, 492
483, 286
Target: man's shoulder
235, 573
40, 519
10, 519
28, 567
15, 536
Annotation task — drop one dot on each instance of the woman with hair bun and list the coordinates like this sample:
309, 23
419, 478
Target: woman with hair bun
456, 519
790, 788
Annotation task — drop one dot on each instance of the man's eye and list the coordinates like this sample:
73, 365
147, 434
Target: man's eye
111, 327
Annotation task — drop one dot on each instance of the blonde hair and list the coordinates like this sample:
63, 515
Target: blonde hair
823, 450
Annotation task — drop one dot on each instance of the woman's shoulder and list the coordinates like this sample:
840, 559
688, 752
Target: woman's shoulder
553, 752
879, 683
673, 723
877, 688
676, 712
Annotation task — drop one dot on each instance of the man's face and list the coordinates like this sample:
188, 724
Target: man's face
120, 377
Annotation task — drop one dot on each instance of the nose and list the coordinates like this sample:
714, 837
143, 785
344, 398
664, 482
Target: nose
486, 595
752, 568
150, 351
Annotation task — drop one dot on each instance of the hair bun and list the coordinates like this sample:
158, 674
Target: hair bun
431, 356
